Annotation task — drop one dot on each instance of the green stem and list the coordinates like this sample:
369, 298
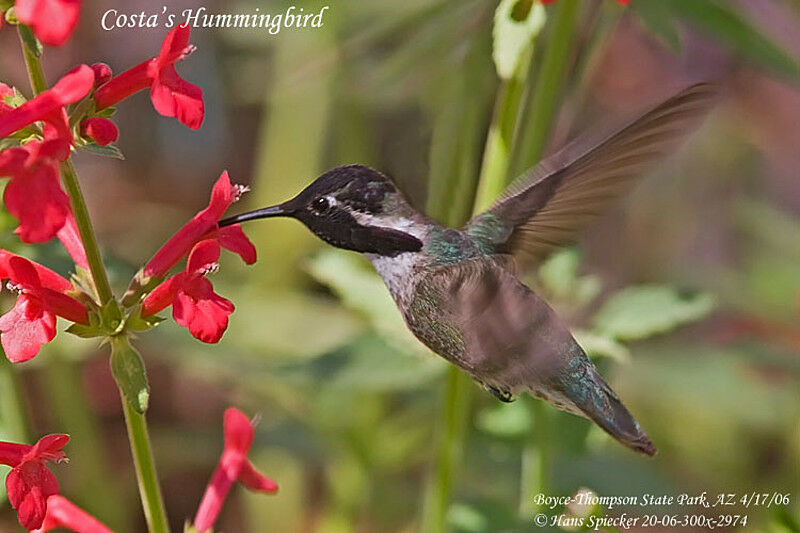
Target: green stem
86, 231
540, 115
541, 110
535, 459
35, 73
450, 446
149, 489
492, 180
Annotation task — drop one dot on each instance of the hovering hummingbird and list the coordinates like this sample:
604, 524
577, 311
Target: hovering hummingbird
458, 289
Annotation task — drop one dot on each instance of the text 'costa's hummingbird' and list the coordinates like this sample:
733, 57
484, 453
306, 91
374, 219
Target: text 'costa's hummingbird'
458, 289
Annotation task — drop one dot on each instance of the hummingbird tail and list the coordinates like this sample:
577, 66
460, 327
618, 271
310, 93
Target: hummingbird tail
594, 399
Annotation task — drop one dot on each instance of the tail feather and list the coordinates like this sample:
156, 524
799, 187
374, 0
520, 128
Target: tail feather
591, 397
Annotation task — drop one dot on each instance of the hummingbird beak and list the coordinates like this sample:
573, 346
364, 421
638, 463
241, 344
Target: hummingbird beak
279, 210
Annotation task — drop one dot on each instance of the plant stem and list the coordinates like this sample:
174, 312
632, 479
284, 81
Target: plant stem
34, 66
540, 115
455, 413
86, 231
149, 489
535, 459
541, 110
492, 180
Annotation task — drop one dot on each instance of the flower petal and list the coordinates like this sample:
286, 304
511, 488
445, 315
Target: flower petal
172, 96
233, 238
255, 480
36, 199
203, 255
172, 48
28, 486
53, 21
47, 277
203, 312
204, 222
25, 329
71, 239
238, 431
63, 513
48, 448
162, 296
65, 306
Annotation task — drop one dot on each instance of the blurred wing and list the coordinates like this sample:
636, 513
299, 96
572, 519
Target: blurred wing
545, 208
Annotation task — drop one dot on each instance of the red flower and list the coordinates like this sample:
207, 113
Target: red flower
171, 95
71, 239
233, 465
203, 226
195, 305
49, 105
51, 20
102, 73
42, 295
62, 513
100, 130
30, 483
34, 195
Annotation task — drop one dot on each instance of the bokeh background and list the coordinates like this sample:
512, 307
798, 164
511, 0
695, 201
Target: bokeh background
687, 293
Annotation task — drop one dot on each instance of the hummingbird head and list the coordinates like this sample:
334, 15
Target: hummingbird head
352, 207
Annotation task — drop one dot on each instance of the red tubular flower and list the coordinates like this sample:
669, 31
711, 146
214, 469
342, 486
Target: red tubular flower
233, 465
203, 226
31, 323
30, 483
51, 20
62, 513
34, 195
195, 305
171, 95
49, 105
71, 239
100, 130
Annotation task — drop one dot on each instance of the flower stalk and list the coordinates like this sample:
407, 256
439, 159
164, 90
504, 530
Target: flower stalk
149, 489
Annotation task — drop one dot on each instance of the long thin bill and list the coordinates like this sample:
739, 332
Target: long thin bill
264, 212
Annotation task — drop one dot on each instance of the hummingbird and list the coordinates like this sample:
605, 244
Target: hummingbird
459, 290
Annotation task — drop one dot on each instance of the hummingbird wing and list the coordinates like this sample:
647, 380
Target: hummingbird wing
545, 208
480, 317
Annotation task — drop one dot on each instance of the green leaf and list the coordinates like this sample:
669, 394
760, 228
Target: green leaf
87, 331
135, 321
646, 310
110, 150
724, 23
128, 370
106, 112
516, 25
112, 317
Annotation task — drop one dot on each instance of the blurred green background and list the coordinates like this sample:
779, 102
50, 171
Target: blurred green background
687, 293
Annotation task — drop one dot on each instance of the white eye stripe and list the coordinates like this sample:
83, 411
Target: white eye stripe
331, 201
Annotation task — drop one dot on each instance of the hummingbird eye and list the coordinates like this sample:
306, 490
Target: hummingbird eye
320, 205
